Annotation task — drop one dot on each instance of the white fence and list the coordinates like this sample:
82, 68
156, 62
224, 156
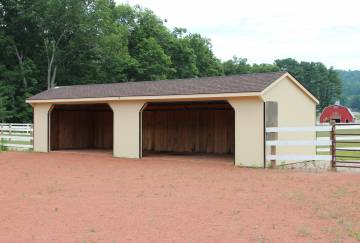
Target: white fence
338, 138
287, 143
19, 136
16, 136
341, 137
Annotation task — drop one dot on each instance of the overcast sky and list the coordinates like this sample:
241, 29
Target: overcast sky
262, 31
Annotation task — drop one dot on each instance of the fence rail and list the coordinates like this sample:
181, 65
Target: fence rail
338, 143
297, 157
325, 128
16, 136
298, 142
341, 143
346, 159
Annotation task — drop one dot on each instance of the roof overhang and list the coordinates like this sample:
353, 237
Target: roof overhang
148, 98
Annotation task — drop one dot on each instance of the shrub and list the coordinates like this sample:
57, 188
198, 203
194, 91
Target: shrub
2, 146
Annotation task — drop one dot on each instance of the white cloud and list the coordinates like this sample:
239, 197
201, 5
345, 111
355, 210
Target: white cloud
260, 30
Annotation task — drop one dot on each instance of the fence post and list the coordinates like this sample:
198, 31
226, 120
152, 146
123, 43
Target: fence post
32, 135
333, 145
273, 152
271, 120
10, 132
1, 133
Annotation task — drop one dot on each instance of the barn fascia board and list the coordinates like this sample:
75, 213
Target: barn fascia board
297, 83
148, 98
74, 101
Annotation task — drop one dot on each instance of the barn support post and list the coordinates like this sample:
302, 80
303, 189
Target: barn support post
140, 129
127, 129
41, 127
249, 128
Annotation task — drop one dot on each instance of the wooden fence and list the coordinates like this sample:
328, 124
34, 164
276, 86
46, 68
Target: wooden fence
331, 147
345, 145
16, 136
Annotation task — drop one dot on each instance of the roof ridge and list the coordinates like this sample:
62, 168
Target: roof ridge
177, 79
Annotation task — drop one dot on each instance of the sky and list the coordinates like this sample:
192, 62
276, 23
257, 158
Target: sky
263, 31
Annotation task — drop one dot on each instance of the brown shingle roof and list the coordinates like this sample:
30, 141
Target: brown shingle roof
256, 82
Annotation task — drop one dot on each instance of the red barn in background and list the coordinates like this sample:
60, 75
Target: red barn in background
336, 113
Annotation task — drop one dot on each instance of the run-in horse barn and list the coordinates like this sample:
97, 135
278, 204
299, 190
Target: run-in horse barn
224, 115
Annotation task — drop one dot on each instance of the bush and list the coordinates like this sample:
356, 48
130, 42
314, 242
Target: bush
2, 147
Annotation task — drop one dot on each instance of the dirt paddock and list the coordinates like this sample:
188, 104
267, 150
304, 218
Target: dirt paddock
75, 197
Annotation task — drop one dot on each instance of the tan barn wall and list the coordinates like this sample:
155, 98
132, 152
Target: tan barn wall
41, 128
127, 142
202, 131
249, 131
295, 109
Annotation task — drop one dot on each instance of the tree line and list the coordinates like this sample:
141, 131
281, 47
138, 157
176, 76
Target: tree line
47, 43
350, 88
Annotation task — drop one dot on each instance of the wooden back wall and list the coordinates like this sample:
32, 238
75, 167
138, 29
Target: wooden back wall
183, 131
81, 129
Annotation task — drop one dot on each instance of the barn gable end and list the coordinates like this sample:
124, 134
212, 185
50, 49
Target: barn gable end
296, 108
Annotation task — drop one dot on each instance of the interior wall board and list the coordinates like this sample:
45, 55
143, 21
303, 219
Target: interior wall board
187, 131
81, 129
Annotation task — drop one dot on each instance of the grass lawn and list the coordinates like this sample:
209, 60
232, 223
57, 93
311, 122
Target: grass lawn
4, 141
340, 145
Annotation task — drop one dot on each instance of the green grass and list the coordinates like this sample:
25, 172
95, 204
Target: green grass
7, 141
339, 144
14, 142
3, 148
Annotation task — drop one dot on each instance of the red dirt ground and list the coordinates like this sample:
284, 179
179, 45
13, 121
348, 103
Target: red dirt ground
74, 197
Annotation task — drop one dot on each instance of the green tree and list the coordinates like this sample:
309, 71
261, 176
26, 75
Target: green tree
61, 23
350, 81
354, 102
182, 55
236, 65
153, 63
206, 62
264, 68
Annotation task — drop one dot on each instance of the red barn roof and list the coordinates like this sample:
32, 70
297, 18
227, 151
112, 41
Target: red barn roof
337, 113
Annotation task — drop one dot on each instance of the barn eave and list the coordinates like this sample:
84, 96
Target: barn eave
148, 98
